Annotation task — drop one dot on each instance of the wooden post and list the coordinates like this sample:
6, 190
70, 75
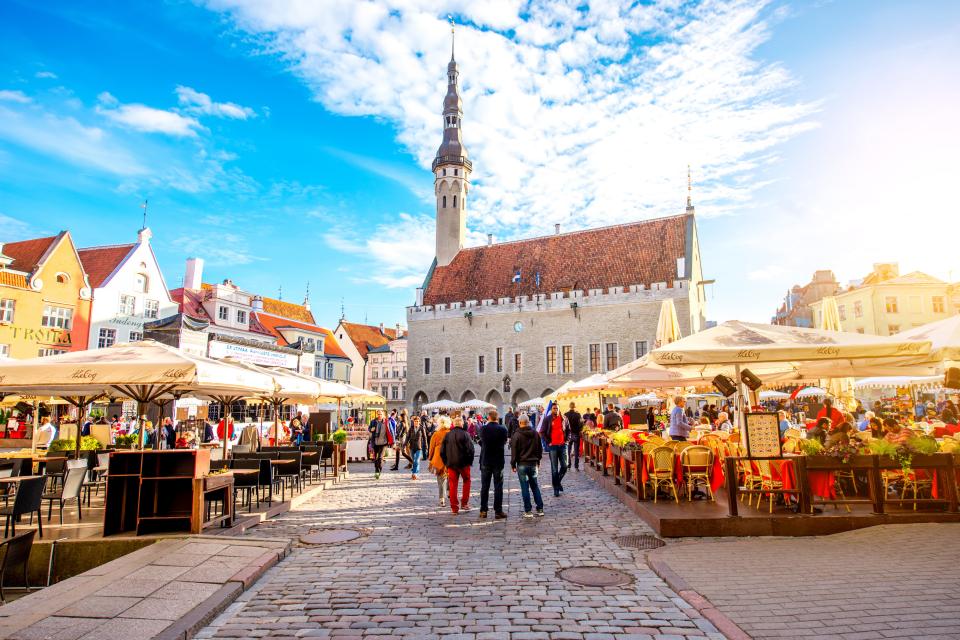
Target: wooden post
616, 459
638, 472
731, 480
803, 485
603, 456
950, 483
876, 485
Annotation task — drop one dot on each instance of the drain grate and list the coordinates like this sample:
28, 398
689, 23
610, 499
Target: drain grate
645, 541
330, 536
595, 576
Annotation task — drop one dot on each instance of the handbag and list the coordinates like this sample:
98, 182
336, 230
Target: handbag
370, 451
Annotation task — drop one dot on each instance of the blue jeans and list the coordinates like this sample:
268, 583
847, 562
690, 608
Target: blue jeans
527, 475
558, 465
416, 461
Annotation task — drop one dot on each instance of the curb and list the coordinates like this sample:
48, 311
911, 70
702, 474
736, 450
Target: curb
704, 607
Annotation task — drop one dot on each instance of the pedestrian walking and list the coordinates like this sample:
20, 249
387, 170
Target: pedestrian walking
436, 460
510, 420
416, 443
526, 452
457, 453
576, 427
400, 426
381, 437
493, 438
554, 432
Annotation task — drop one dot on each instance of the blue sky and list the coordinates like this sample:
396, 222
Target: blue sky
290, 142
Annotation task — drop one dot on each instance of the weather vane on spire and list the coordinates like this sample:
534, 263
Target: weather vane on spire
144, 207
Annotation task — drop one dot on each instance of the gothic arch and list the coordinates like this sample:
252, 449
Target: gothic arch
520, 396
443, 395
495, 399
467, 395
546, 392
419, 399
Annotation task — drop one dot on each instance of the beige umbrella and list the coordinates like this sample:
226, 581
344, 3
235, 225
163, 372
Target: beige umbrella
840, 388
944, 336
668, 328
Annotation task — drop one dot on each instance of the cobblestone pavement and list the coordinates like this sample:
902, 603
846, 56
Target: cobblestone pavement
892, 581
424, 573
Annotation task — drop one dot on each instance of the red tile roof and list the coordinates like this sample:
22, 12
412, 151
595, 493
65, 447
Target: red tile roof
27, 253
100, 262
622, 255
273, 324
288, 310
365, 336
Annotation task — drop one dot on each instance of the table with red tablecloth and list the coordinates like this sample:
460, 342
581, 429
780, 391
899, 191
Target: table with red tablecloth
822, 483
716, 472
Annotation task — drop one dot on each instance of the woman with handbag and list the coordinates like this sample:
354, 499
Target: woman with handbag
436, 461
381, 437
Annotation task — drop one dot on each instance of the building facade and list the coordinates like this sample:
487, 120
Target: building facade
509, 321
795, 311
387, 371
356, 340
128, 291
44, 298
885, 303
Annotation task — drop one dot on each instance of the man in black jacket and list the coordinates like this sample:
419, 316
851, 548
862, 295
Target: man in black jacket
493, 437
573, 442
611, 419
526, 451
457, 455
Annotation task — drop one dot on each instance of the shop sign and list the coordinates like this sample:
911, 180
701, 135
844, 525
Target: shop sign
253, 355
43, 335
763, 435
127, 321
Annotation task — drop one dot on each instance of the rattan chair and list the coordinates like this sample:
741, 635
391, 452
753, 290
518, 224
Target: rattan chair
662, 472
767, 483
696, 463
791, 433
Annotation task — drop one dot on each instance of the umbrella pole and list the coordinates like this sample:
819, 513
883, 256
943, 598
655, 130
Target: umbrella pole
226, 425
36, 425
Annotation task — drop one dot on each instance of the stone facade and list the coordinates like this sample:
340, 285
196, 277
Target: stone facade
387, 372
622, 318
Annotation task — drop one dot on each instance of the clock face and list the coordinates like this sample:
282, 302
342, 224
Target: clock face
518, 326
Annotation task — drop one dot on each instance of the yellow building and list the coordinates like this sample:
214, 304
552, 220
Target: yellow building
885, 303
44, 298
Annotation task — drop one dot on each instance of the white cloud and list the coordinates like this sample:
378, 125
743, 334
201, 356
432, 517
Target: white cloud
7, 95
769, 272
12, 229
218, 249
566, 118
140, 117
195, 102
46, 75
395, 254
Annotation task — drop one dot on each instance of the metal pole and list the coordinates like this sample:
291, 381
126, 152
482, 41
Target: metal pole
36, 424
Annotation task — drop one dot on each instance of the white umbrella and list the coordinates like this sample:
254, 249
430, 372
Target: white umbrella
532, 403
811, 392
668, 327
644, 398
477, 404
944, 336
441, 405
886, 382
841, 388
773, 395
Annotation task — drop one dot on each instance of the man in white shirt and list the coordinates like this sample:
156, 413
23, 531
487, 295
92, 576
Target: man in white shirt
45, 433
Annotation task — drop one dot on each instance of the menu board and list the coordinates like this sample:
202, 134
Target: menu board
763, 435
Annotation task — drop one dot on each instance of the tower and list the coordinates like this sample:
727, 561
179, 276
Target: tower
451, 171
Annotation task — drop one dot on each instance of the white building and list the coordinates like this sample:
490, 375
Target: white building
128, 290
387, 371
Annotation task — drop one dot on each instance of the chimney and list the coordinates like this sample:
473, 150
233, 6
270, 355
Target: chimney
381, 329
194, 275
257, 304
398, 330
144, 235
556, 229
489, 239
419, 296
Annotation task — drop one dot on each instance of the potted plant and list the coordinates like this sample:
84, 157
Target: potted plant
339, 437
125, 441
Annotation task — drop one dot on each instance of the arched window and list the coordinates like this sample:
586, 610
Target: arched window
454, 202
444, 202
63, 278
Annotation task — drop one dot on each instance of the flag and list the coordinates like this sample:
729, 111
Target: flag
542, 428
516, 276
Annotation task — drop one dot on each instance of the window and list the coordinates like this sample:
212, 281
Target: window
402, 393
444, 201
63, 278
57, 317
6, 310
938, 306
566, 359
517, 362
4, 351
136, 336
446, 364
223, 313
426, 366
611, 356
858, 309
499, 359
595, 358
394, 393
859, 329
842, 311
329, 373
140, 283
444, 172
640, 348
456, 172
241, 316
106, 338
47, 351
893, 328
396, 373
454, 202
151, 308
891, 304
128, 305
551, 359
481, 364
318, 368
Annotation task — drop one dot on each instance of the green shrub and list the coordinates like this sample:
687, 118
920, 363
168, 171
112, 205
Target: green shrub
339, 436
811, 447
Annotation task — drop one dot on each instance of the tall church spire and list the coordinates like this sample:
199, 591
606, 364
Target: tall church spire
451, 169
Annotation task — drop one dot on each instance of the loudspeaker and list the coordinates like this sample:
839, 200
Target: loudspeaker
725, 385
951, 379
752, 381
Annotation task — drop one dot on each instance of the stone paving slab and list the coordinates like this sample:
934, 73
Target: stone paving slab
890, 581
143, 595
420, 572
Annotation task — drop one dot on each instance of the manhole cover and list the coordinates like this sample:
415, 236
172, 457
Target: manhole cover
640, 542
330, 536
595, 576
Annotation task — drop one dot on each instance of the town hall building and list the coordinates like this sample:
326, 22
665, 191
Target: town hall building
509, 321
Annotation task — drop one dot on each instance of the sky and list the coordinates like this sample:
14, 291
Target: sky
288, 144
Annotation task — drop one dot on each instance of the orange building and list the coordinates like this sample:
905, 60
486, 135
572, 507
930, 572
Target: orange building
44, 298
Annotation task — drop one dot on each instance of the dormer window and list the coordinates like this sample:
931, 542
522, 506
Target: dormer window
63, 278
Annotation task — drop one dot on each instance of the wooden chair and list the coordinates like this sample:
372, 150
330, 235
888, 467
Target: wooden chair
664, 459
697, 464
767, 483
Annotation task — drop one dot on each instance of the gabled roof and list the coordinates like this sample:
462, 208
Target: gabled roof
288, 310
101, 262
27, 254
365, 336
914, 277
274, 324
622, 255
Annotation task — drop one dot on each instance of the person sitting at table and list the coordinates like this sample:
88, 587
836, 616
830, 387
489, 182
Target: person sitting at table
819, 430
839, 434
784, 423
876, 427
723, 422
894, 433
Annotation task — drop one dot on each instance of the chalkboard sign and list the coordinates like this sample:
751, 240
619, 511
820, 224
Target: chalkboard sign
763, 435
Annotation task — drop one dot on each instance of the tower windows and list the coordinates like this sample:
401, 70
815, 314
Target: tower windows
444, 202
454, 202
456, 172
444, 172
